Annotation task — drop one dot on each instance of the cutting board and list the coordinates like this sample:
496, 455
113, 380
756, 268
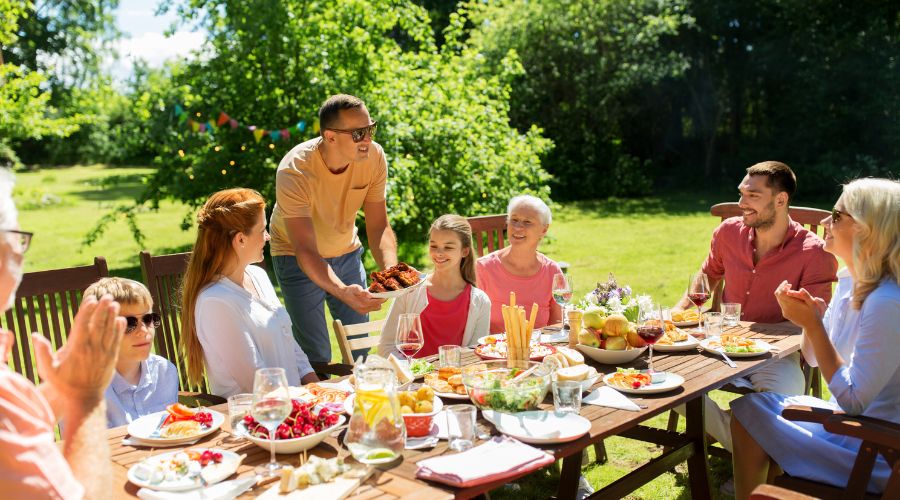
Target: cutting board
338, 489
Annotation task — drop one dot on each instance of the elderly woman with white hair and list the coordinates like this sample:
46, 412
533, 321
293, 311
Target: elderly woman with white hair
855, 342
519, 267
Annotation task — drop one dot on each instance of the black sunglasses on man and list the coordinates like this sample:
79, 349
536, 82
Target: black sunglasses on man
358, 134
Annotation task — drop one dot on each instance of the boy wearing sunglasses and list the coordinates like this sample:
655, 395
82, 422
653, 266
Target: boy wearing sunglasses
144, 383
320, 186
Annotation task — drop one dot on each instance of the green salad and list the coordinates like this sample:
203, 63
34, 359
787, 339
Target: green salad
742, 348
421, 367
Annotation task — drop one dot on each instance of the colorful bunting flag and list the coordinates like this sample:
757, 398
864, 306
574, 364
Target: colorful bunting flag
210, 126
258, 133
222, 118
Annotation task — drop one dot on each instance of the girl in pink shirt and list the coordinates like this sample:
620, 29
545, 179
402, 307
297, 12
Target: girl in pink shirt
519, 267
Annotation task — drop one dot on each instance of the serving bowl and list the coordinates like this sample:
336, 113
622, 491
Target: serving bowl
295, 445
490, 386
610, 357
419, 424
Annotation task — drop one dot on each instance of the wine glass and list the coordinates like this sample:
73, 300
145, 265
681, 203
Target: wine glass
698, 293
271, 405
410, 339
652, 327
562, 293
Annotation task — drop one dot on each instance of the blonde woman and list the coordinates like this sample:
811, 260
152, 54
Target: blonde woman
231, 319
855, 343
452, 310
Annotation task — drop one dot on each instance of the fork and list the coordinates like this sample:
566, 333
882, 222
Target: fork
726, 358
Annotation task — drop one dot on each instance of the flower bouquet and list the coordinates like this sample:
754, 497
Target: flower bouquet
614, 299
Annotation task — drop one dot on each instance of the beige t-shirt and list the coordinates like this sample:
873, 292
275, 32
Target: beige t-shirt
304, 187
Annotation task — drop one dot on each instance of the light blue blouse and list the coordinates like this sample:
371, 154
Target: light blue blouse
869, 342
156, 389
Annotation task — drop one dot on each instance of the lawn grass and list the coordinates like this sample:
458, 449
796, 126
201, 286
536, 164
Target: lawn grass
652, 244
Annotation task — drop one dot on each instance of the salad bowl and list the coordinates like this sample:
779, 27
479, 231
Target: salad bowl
493, 385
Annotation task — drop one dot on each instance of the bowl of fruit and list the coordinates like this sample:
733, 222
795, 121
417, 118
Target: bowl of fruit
507, 387
418, 409
615, 342
305, 427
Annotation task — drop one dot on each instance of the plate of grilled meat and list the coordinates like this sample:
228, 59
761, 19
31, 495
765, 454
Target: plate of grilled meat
395, 281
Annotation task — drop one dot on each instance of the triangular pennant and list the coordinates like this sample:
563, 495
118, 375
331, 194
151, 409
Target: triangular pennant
258, 133
178, 110
301, 126
211, 126
275, 135
222, 118
285, 134
194, 125
202, 127
233, 123
315, 126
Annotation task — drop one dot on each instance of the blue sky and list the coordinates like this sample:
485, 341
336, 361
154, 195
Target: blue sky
143, 36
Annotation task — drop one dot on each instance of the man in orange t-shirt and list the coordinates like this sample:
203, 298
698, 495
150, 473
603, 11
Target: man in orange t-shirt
75, 378
320, 186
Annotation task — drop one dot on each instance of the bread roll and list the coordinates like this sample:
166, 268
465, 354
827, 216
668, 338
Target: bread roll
575, 373
572, 356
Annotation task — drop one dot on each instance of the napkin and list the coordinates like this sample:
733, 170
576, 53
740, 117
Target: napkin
225, 490
499, 458
607, 396
343, 385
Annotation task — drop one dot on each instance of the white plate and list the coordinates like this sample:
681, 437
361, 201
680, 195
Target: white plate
539, 427
682, 324
685, 345
403, 291
611, 357
765, 346
672, 381
213, 473
142, 428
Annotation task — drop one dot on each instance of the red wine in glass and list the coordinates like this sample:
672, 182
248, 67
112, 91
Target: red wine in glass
650, 333
698, 292
698, 298
409, 349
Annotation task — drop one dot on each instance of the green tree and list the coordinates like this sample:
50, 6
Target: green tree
585, 62
25, 112
443, 114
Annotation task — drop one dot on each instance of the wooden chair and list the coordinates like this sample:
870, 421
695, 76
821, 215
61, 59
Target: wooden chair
878, 437
46, 302
371, 329
488, 231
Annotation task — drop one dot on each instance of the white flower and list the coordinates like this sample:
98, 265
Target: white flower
614, 304
645, 302
592, 298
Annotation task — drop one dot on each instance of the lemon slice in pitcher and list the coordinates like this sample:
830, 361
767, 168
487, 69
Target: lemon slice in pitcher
374, 405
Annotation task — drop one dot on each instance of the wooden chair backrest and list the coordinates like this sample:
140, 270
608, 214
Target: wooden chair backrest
163, 275
811, 218
488, 233
46, 302
371, 329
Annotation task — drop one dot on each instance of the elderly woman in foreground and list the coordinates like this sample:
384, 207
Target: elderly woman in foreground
519, 267
855, 344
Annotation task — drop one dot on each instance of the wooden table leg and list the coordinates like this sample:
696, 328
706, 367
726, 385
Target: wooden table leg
569, 477
698, 468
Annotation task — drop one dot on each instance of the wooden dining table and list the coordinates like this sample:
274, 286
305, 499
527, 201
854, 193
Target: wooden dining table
702, 372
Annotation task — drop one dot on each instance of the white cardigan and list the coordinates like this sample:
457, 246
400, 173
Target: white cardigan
240, 334
477, 323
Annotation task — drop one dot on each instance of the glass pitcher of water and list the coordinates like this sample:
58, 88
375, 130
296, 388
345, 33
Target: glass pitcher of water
376, 433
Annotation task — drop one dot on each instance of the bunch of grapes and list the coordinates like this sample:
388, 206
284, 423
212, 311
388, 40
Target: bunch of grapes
303, 421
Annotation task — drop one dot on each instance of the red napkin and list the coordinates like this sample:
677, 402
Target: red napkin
499, 458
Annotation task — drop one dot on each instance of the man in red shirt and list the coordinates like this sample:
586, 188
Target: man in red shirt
754, 253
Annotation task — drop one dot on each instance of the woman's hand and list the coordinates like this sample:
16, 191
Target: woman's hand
799, 307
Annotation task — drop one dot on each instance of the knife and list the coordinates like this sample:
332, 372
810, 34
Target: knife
159, 426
